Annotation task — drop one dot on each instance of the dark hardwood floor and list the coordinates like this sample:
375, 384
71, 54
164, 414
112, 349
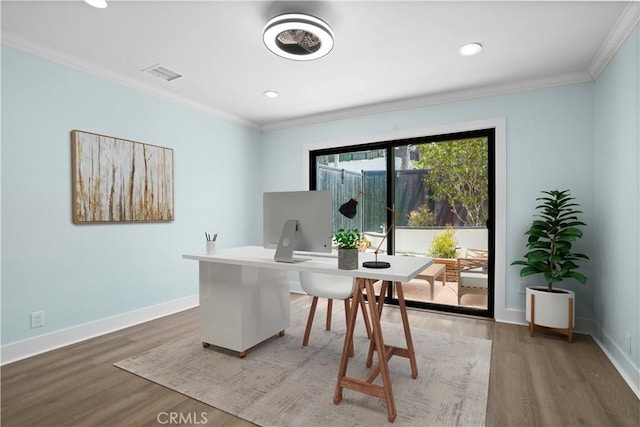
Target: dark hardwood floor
540, 381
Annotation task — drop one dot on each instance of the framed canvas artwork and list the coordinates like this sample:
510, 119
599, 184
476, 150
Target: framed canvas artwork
116, 180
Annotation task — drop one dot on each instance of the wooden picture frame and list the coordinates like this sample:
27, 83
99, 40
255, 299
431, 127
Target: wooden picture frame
117, 180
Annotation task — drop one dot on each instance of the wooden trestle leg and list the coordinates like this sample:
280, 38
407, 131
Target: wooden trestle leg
411, 354
365, 385
376, 300
351, 321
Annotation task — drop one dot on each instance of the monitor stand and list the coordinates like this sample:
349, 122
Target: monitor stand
284, 252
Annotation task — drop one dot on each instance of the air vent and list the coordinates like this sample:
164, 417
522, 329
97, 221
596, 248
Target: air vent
162, 72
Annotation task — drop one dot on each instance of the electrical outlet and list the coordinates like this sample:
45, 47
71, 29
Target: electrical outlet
37, 319
628, 343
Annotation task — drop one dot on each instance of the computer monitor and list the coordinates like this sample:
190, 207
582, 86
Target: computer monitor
297, 220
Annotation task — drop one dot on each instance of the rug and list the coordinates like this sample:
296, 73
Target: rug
281, 383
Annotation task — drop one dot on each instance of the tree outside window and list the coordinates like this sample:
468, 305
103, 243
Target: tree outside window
458, 174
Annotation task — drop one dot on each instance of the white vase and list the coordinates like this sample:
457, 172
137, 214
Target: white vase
555, 310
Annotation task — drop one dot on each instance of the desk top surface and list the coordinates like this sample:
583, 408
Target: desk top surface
403, 268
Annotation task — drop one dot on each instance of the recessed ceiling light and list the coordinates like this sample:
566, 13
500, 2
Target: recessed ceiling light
270, 93
297, 36
100, 4
470, 49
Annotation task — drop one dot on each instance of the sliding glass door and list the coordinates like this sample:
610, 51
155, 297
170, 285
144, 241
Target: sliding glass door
442, 193
440, 190
349, 175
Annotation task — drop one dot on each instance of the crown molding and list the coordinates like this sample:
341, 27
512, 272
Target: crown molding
624, 26
626, 23
76, 63
621, 30
437, 99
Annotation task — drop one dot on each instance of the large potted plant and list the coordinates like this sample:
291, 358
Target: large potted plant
444, 250
550, 253
347, 241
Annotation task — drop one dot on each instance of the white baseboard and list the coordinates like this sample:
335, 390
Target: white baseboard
510, 315
43, 343
519, 317
621, 361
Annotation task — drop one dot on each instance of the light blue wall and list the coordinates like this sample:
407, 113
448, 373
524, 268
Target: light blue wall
584, 137
549, 145
617, 200
81, 273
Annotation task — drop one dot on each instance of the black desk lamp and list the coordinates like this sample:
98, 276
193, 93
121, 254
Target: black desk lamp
350, 208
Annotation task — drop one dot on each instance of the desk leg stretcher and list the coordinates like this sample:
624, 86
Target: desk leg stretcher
365, 385
408, 352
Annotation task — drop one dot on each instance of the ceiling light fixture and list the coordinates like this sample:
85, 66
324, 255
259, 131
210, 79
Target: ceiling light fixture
470, 49
270, 93
100, 4
298, 36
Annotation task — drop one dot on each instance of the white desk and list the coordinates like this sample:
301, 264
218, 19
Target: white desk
244, 299
403, 268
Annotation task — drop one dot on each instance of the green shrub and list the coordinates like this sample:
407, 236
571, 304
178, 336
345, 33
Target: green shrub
422, 217
444, 244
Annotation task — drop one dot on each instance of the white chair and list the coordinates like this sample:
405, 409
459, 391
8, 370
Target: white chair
332, 287
473, 277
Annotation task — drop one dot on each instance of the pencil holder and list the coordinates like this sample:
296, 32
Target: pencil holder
211, 247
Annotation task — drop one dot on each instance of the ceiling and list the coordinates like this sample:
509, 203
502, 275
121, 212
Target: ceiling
387, 55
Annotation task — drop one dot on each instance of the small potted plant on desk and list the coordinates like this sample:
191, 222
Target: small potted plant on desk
550, 241
347, 241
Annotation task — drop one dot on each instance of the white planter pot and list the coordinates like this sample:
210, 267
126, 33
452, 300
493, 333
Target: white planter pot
553, 310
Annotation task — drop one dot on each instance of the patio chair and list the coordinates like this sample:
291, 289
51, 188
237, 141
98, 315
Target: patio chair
473, 277
476, 253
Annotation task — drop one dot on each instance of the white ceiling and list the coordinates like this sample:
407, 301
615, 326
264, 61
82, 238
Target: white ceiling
388, 54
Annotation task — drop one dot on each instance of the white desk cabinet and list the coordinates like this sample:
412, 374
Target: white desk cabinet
241, 306
244, 293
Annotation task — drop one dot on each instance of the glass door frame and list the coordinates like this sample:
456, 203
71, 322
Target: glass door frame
390, 147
